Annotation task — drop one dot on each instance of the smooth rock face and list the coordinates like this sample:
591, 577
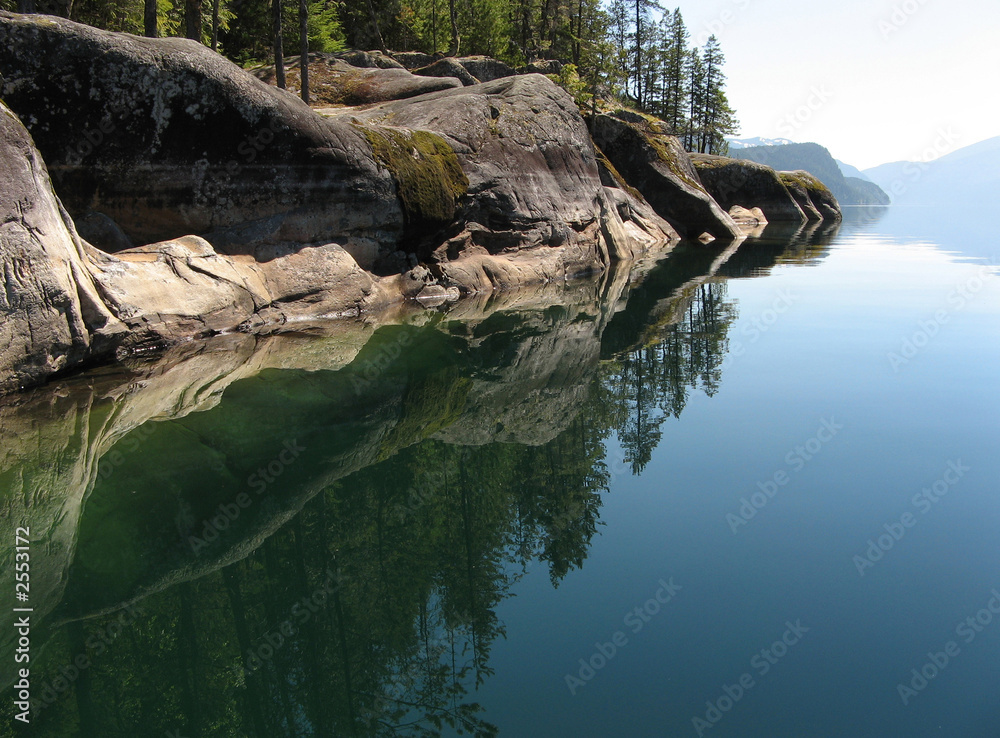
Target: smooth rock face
65, 303
484, 68
658, 167
169, 139
447, 67
492, 185
816, 201
51, 316
747, 184
182, 289
533, 182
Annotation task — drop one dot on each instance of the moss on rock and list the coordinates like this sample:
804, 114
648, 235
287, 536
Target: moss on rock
428, 176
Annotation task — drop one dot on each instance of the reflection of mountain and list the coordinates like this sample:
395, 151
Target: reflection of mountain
422, 465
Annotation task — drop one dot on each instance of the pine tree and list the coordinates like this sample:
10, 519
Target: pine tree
695, 72
717, 118
674, 67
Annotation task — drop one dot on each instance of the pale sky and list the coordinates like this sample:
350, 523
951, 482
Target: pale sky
925, 82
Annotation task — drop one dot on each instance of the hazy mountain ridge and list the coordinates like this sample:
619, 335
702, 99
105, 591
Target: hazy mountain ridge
816, 160
968, 175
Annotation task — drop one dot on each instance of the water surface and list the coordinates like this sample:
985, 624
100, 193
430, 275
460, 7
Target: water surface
575, 511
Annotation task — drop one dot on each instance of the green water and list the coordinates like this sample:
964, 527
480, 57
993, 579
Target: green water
589, 510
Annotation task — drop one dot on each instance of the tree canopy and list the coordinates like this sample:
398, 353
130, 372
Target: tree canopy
634, 53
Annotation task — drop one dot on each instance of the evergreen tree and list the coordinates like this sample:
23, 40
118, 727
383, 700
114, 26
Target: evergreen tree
717, 119
674, 66
695, 72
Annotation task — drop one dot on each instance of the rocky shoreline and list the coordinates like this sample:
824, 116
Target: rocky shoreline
157, 193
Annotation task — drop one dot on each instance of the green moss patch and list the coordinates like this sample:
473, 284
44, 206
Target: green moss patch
667, 155
428, 177
622, 184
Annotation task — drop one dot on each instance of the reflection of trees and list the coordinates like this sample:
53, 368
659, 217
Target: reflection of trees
426, 536
653, 382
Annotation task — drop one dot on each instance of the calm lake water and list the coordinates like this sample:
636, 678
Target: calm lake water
737, 493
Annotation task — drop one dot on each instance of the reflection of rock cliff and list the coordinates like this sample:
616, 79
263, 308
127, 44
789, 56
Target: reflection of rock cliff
419, 466
515, 368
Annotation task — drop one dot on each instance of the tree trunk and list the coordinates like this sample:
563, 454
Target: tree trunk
149, 19
192, 19
279, 52
25, 6
304, 46
375, 26
455, 40
215, 25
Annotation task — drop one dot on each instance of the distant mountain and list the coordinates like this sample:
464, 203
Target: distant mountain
848, 171
968, 176
817, 161
743, 143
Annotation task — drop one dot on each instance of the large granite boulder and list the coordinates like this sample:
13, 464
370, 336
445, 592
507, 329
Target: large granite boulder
486, 69
747, 184
368, 59
447, 67
535, 195
168, 139
414, 59
815, 198
66, 303
656, 165
51, 314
